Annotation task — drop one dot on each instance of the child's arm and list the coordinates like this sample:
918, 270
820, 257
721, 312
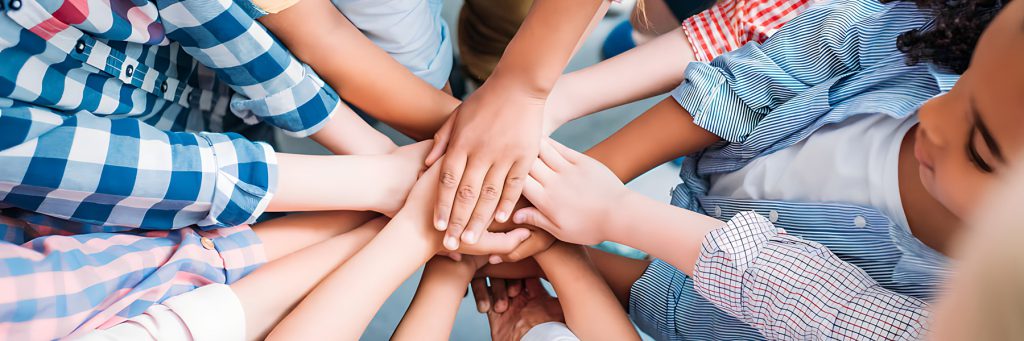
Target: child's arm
346, 182
366, 280
648, 70
362, 73
442, 287
591, 310
743, 266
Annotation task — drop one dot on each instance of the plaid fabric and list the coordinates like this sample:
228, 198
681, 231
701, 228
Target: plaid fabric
93, 98
789, 288
62, 279
730, 24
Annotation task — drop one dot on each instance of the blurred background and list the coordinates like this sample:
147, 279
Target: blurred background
580, 135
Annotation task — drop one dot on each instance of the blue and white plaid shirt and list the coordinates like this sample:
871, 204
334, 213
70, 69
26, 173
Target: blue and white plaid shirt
94, 99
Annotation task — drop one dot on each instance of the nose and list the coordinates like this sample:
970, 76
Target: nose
929, 121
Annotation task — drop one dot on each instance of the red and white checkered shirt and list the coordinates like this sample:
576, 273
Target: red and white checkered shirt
790, 288
730, 24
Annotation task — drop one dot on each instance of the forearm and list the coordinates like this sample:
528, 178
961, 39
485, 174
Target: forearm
362, 284
645, 71
355, 66
591, 310
432, 312
664, 231
348, 134
332, 182
618, 272
663, 133
554, 27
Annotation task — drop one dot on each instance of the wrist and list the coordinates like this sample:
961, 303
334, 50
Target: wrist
520, 85
621, 215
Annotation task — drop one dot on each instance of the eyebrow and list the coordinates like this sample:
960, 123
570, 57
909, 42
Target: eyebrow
986, 134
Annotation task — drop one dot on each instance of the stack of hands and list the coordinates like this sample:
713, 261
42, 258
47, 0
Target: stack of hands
566, 195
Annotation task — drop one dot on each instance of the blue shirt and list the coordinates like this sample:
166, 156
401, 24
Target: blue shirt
95, 99
834, 61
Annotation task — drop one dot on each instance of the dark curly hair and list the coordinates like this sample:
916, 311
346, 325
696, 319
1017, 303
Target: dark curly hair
950, 42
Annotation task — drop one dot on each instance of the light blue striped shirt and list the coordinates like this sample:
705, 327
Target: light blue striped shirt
834, 61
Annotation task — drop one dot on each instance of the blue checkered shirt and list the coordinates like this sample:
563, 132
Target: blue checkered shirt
114, 114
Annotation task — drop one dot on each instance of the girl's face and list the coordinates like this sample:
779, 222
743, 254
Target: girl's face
969, 136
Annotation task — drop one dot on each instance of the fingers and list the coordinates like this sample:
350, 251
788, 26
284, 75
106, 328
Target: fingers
498, 242
567, 153
553, 158
532, 216
465, 197
441, 138
538, 241
500, 295
534, 288
534, 192
480, 293
515, 287
542, 173
512, 190
483, 213
451, 173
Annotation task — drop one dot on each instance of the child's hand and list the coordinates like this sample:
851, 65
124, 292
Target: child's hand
418, 212
525, 311
574, 196
489, 144
404, 164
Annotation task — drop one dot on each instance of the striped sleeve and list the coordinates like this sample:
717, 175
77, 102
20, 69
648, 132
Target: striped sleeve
733, 93
271, 84
123, 172
789, 288
730, 24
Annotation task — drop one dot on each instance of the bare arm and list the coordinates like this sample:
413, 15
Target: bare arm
432, 313
355, 66
591, 310
647, 70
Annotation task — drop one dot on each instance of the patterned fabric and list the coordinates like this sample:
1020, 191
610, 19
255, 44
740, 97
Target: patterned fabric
730, 24
836, 60
788, 287
60, 279
93, 98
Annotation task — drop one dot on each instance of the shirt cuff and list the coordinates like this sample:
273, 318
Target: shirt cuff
715, 106
246, 178
299, 110
725, 255
550, 331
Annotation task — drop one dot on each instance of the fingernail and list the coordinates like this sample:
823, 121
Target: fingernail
441, 225
502, 217
494, 260
483, 307
450, 243
518, 218
468, 237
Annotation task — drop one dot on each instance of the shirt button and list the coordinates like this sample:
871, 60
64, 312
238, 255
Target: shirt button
80, 46
163, 86
773, 216
15, 4
718, 211
859, 221
128, 71
207, 243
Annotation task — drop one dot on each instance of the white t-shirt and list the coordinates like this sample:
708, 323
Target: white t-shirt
852, 162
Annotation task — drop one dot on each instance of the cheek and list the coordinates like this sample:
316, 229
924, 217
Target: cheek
960, 190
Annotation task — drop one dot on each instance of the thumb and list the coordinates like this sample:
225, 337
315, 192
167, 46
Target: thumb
441, 138
532, 216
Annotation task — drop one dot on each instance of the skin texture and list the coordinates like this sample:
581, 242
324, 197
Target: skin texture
492, 138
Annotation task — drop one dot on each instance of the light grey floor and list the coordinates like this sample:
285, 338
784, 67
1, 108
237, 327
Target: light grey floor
580, 135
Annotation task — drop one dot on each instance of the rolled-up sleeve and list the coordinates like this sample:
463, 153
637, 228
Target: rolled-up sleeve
123, 172
271, 85
790, 288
